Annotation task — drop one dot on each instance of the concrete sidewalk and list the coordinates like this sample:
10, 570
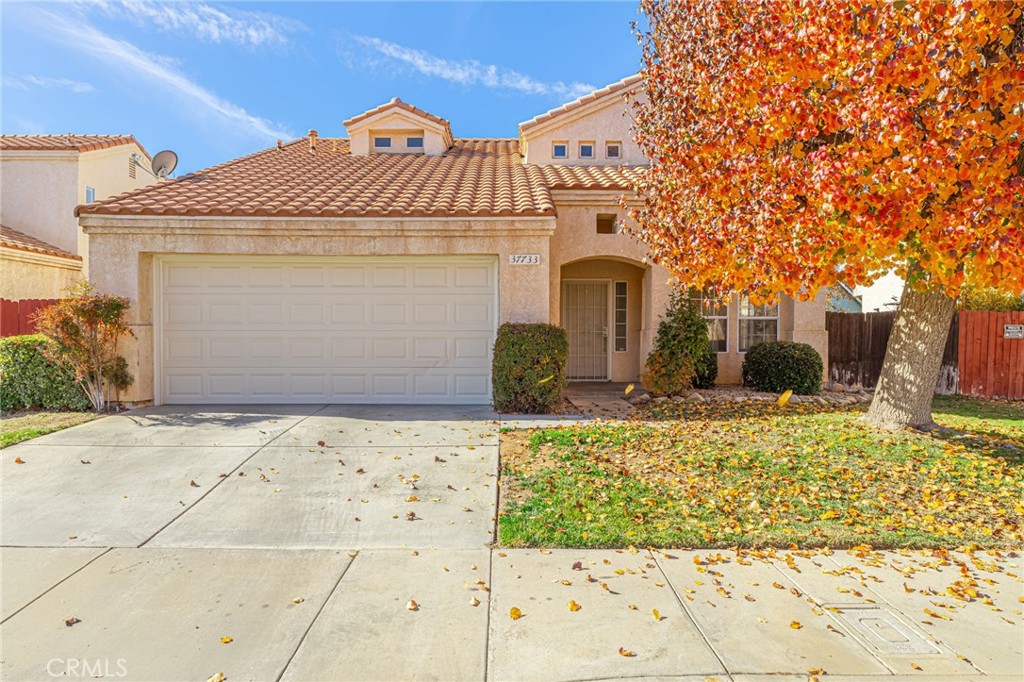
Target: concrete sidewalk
288, 543
344, 615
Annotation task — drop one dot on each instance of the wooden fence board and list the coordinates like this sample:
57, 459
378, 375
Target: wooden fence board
16, 316
990, 365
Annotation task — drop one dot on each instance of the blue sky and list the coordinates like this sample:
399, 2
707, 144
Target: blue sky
214, 81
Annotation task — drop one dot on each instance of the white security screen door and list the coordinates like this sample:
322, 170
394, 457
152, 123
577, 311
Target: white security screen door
585, 317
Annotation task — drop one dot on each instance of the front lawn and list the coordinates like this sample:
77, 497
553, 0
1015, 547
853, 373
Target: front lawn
21, 427
724, 475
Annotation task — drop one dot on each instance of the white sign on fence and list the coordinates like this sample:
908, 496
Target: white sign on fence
1013, 331
524, 259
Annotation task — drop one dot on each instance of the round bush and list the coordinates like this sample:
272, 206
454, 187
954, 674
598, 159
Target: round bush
29, 380
529, 368
777, 366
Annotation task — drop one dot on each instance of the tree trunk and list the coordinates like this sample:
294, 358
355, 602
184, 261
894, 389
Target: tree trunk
913, 358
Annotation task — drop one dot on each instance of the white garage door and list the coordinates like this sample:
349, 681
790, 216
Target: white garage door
308, 330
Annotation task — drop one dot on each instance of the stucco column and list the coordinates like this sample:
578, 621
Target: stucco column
808, 325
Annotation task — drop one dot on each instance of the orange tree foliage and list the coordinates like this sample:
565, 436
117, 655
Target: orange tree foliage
794, 144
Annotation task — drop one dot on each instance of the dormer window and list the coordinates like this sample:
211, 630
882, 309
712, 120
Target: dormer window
382, 143
586, 150
414, 142
613, 150
560, 150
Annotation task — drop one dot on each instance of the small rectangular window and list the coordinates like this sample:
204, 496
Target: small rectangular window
414, 143
586, 150
560, 150
606, 223
716, 313
613, 150
621, 328
382, 142
757, 323
90, 195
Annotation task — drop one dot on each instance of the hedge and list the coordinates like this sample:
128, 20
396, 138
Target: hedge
29, 380
529, 368
777, 366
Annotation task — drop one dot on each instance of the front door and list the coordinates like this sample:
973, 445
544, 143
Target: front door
585, 318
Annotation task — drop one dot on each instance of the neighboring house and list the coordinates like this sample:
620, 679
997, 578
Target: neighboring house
42, 179
841, 299
883, 295
376, 268
33, 269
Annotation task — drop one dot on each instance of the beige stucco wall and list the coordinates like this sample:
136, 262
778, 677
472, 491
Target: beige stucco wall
123, 252
25, 275
40, 189
608, 119
106, 171
39, 194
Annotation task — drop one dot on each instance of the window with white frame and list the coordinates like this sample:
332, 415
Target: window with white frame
613, 150
414, 142
382, 142
757, 323
586, 150
90, 195
559, 150
716, 313
621, 314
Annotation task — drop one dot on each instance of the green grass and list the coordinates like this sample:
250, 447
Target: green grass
22, 427
757, 475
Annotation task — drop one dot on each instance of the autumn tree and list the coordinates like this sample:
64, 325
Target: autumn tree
795, 144
84, 329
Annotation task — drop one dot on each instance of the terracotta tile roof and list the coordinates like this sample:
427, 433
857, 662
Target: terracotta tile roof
396, 103
577, 103
474, 178
588, 177
81, 143
12, 239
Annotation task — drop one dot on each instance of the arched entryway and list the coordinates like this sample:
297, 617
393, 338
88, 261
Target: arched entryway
602, 311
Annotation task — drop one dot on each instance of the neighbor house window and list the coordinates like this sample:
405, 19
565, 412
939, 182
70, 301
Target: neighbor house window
90, 195
757, 323
606, 223
414, 143
716, 313
620, 317
560, 150
586, 150
613, 150
382, 142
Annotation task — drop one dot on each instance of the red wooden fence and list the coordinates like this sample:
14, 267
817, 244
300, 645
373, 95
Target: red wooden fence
16, 316
990, 364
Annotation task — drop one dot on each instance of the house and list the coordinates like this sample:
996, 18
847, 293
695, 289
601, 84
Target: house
376, 267
841, 299
42, 179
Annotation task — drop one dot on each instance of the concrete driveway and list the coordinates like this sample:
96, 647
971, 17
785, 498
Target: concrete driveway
286, 543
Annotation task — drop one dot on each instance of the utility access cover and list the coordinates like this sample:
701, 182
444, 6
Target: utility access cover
882, 631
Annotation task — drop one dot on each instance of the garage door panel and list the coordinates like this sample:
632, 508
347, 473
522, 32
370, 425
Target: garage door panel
328, 330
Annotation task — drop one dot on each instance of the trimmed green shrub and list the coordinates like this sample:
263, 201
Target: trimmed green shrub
778, 366
682, 357
28, 379
706, 369
529, 368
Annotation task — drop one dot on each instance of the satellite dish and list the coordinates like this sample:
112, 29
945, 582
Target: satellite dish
164, 163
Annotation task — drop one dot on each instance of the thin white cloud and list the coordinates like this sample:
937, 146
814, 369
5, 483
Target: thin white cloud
471, 72
152, 69
204, 22
27, 82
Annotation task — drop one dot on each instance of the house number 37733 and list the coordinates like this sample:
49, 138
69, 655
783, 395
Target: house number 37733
524, 259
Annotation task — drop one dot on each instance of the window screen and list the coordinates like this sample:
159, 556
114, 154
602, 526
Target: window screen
757, 323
